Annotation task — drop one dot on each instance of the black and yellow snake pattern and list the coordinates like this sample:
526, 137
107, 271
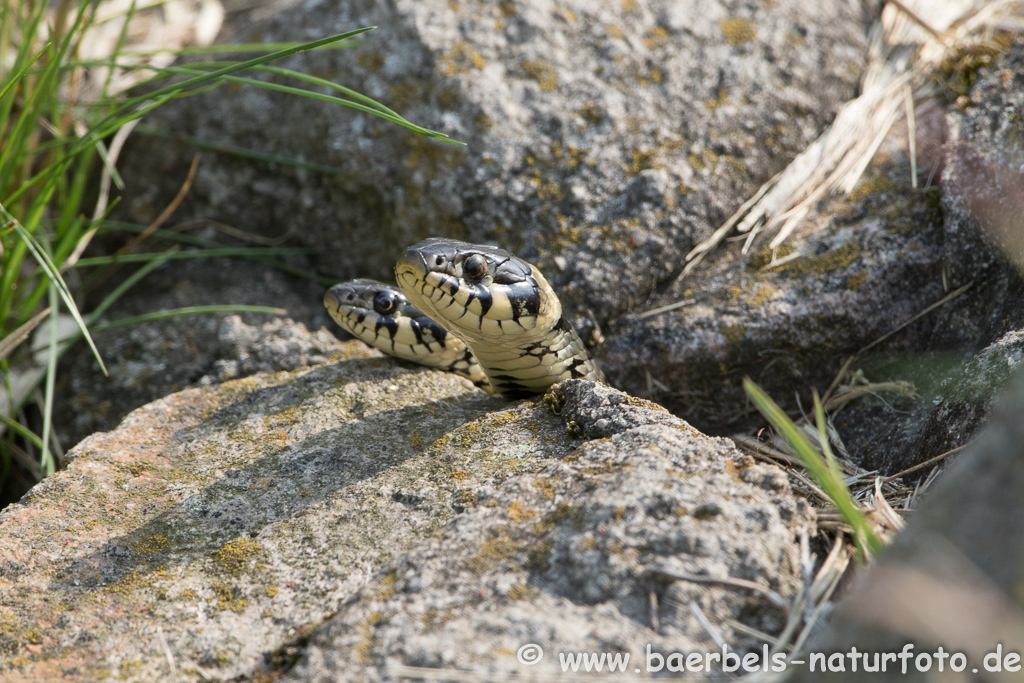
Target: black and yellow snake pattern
381, 316
500, 308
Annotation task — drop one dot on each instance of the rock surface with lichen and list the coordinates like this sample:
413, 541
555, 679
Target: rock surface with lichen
575, 557
583, 161
964, 351
217, 527
930, 271
602, 139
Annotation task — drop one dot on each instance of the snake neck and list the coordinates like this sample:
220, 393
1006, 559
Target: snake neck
518, 371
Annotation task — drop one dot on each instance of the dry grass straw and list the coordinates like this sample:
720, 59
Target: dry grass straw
905, 51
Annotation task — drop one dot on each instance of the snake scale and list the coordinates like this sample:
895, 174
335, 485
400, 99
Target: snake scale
475, 310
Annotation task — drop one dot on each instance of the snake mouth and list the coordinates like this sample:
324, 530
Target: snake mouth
331, 299
411, 264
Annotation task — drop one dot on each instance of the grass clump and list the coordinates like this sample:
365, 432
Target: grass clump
821, 464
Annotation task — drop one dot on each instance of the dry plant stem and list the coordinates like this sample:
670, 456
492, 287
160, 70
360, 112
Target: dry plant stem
908, 100
886, 511
666, 309
806, 632
652, 599
926, 463
753, 632
900, 387
838, 157
167, 653
917, 19
151, 228
921, 488
116, 145
696, 611
698, 253
166, 213
836, 562
235, 232
759, 449
728, 582
198, 669
946, 299
792, 623
11, 341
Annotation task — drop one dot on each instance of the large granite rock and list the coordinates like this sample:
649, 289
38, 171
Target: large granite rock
216, 527
603, 142
573, 558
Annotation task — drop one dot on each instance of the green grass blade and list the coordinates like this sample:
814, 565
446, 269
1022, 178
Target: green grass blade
11, 341
190, 254
25, 121
119, 47
16, 78
199, 242
51, 271
826, 447
191, 310
128, 283
867, 542
371, 106
361, 103
136, 107
178, 88
243, 152
378, 110
240, 48
22, 431
315, 80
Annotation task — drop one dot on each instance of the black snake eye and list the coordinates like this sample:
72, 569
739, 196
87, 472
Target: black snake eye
439, 260
475, 267
384, 303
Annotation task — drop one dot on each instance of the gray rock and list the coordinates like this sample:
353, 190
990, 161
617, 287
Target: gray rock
222, 523
150, 360
603, 140
572, 558
946, 414
863, 266
972, 344
857, 268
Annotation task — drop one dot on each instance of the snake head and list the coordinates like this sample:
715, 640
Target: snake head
379, 314
480, 293
365, 295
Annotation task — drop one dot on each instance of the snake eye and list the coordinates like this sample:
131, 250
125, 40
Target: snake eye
475, 267
384, 303
439, 260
